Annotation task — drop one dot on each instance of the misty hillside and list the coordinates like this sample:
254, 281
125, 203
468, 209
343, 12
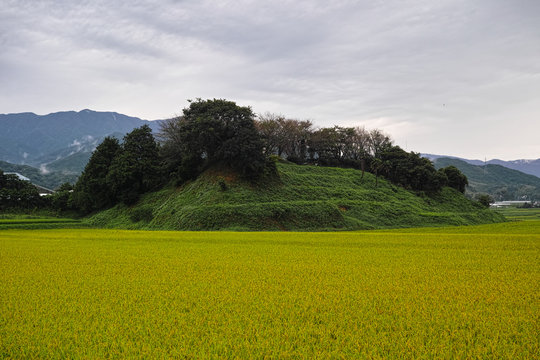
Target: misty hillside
41, 140
50, 180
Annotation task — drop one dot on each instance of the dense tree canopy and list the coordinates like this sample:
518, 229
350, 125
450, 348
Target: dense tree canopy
136, 168
456, 179
299, 142
62, 199
410, 170
119, 172
92, 192
17, 194
485, 199
213, 132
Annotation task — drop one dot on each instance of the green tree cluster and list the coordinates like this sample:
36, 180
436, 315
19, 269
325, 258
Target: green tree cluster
209, 133
299, 142
485, 199
62, 199
409, 170
18, 194
92, 192
213, 133
119, 172
136, 169
455, 178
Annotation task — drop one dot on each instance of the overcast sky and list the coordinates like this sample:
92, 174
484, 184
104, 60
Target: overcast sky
452, 77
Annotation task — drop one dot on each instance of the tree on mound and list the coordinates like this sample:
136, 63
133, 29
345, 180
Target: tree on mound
136, 169
213, 132
410, 170
119, 172
456, 179
92, 191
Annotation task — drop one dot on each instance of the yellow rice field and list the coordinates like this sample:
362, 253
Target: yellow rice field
469, 292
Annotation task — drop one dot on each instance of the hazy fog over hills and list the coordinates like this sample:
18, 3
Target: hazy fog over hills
42, 140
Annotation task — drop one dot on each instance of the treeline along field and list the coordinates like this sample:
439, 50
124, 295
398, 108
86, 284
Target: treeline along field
460, 292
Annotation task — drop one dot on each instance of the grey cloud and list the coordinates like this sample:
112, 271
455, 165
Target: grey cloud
419, 68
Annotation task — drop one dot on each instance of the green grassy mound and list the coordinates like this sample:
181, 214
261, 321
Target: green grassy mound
304, 198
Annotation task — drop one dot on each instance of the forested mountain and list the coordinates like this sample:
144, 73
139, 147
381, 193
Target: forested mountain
531, 167
498, 181
61, 141
51, 180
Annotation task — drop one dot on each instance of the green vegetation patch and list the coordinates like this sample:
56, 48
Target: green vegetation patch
37, 222
460, 292
519, 214
304, 198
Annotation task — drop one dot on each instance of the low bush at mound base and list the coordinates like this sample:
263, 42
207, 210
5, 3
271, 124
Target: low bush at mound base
304, 198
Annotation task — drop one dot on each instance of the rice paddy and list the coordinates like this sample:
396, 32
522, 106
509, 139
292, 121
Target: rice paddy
520, 214
457, 292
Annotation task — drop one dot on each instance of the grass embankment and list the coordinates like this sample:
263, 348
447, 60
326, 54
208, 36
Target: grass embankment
18, 221
459, 292
305, 198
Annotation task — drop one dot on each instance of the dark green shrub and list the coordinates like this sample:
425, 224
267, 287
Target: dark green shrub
141, 214
222, 184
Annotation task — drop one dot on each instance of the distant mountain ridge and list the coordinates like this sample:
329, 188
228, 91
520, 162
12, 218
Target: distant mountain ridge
500, 182
527, 166
61, 141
